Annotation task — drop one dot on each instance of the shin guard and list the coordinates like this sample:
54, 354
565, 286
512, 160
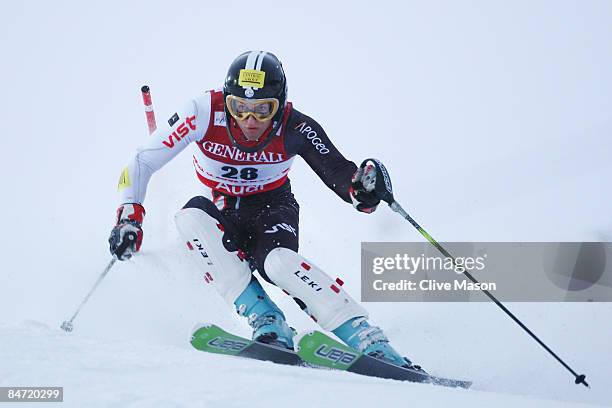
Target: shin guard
327, 302
222, 269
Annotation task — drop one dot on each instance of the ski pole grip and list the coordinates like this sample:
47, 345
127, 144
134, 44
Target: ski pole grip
148, 103
383, 187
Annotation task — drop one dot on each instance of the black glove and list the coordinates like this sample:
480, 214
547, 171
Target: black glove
363, 189
126, 235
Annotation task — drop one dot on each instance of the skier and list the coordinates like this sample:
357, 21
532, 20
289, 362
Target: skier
247, 136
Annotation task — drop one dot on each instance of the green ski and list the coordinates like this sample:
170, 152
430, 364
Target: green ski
213, 339
318, 348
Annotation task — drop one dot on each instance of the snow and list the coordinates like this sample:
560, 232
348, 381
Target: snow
493, 119
102, 373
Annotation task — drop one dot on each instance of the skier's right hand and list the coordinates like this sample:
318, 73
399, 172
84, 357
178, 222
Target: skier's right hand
126, 235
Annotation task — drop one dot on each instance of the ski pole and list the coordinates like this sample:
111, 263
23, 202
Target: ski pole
148, 103
384, 191
130, 238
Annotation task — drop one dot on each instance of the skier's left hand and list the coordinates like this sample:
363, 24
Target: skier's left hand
362, 190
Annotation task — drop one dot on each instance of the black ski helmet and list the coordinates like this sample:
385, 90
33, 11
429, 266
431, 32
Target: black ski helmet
265, 66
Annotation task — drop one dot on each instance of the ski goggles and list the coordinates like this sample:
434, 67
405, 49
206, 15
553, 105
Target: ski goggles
261, 109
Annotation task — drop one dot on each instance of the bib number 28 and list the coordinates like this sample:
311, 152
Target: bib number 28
245, 173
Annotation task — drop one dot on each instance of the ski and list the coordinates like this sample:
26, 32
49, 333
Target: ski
213, 339
315, 349
319, 349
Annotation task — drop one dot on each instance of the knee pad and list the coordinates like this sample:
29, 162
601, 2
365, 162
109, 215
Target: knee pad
327, 302
201, 228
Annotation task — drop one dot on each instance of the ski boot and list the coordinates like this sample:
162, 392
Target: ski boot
370, 340
266, 319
